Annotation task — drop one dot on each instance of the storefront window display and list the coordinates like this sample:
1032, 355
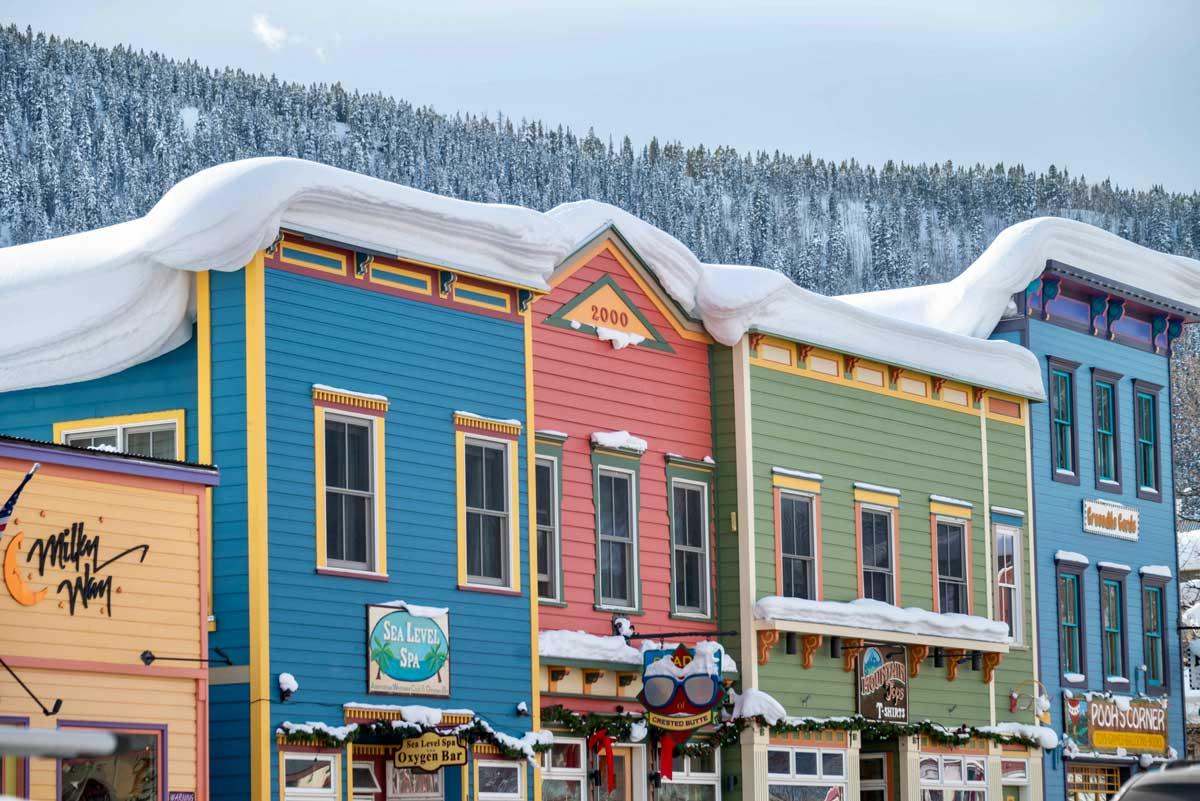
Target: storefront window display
806, 774
131, 775
564, 772
412, 785
696, 778
953, 778
1014, 780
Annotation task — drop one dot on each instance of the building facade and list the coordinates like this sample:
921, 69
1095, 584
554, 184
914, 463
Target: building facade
103, 620
875, 555
1104, 503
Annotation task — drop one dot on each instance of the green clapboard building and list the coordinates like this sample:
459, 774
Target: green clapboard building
873, 554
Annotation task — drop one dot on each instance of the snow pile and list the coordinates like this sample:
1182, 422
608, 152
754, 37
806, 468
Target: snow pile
1044, 736
564, 644
972, 303
1073, 557
868, 614
95, 303
619, 339
1074, 678
417, 611
522, 708
619, 441
1156, 570
704, 663
624, 627
313, 727
288, 683
509, 421
754, 703
785, 471
1189, 550
350, 392
638, 731
1120, 567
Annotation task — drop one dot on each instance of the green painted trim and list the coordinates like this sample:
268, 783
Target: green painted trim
629, 463
615, 667
558, 318
675, 460
678, 470
555, 452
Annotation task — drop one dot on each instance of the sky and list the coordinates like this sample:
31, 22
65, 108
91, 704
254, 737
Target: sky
1105, 89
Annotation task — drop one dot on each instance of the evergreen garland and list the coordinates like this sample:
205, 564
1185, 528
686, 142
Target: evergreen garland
394, 732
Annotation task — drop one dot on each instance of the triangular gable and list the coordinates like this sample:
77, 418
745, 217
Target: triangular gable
608, 294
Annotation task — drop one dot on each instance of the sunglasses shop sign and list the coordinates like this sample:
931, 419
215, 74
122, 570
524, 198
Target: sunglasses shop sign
681, 688
408, 650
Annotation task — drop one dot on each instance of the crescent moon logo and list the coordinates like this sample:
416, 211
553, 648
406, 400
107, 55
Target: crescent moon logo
19, 590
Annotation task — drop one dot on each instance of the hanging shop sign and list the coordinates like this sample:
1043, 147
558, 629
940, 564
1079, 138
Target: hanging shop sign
1110, 519
430, 752
883, 683
681, 690
1108, 724
408, 651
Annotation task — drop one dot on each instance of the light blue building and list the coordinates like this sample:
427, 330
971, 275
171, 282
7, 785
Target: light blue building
1104, 524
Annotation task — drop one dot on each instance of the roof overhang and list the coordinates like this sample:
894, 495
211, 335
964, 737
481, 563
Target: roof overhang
879, 635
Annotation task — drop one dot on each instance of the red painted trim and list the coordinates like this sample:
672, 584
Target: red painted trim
493, 590
80, 666
858, 554
775, 500
934, 571
347, 407
355, 574
820, 568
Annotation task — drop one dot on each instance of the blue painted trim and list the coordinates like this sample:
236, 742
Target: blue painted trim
1008, 520
311, 258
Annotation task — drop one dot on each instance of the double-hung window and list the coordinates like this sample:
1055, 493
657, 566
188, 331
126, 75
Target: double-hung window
689, 546
695, 778
548, 536
797, 546
1112, 623
952, 566
487, 511
616, 533
1070, 635
310, 777
564, 771
1145, 432
1064, 439
349, 492
1104, 422
878, 557
366, 783
1153, 644
1008, 578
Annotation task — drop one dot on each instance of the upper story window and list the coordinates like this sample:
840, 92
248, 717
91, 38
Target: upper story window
1153, 645
689, 547
1145, 425
349, 492
1112, 622
1070, 634
797, 546
878, 554
616, 532
548, 542
952, 556
158, 435
487, 511
1104, 399
1008, 579
1064, 439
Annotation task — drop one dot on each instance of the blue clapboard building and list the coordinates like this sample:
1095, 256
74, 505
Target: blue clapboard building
1104, 528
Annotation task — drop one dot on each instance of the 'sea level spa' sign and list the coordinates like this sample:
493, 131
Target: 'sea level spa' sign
1110, 520
407, 654
883, 684
430, 752
1104, 725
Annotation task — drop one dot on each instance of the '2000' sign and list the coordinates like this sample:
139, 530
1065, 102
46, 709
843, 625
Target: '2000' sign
408, 654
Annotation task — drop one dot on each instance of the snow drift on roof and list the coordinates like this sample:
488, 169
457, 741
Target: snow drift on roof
92, 304
973, 302
870, 614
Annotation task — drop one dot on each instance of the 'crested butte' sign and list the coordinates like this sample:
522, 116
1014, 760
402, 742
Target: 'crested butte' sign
1110, 519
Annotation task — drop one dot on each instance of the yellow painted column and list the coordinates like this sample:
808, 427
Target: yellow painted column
256, 530
204, 431
535, 710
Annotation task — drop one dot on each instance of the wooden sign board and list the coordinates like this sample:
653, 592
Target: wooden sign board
882, 683
430, 752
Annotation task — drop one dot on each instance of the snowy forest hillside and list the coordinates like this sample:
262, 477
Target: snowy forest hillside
92, 136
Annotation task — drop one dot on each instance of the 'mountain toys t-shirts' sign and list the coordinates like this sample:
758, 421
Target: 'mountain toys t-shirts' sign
883, 684
408, 653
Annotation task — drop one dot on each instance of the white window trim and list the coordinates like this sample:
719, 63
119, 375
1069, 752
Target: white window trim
792, 777
510, 456
366, 792
873, 784
963, 784
497, 763
965, 525
705, 609
121, 430
556, 526
1014, 782
331, 793
689, 776
1018, 636
635, 580
373, 518
578, 774
811, 497
891, 512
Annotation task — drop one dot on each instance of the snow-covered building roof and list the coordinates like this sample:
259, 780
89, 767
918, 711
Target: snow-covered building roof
1188, 543
972, 303
92, 304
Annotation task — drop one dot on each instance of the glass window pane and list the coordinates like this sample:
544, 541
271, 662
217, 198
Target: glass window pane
695, 517
308, 773
832, 764
779, 762
676, 791
872, 769
473, 455
335, 453
930, 769
566, 755
621, 507
494, 479
358, 457
1013, 770
706, 763
806, 763
545, 493
162, 444
335, 528
605, 501
499, 779
562, 789
357, 523
952, 770
133, 773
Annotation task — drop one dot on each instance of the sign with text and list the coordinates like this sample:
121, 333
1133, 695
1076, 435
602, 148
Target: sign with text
430, 752
883, 683
408, 651
681, 690
1104, 725
1110, 519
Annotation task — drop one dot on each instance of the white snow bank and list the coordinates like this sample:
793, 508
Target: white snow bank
784, 471
1071, 556
754, 703
508, 421
1120, 567
1046, 737
354, 393
865, 613
951, 501
417, 611
619, 339
288, 683
619, 440
972, 303
566, 644
1156, 570
704, 663
863, 485
1074, 678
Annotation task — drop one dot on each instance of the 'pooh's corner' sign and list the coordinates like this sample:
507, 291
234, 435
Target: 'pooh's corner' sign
408, 650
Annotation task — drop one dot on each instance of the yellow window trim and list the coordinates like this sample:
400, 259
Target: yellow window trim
482, 290
176, 416
877, 498
347, 398
794, 483
950, 510
514, 532
487, 424
426, 280
292, 244
380, 485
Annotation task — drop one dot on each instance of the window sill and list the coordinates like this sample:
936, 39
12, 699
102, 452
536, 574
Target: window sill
494, 590
552, 602
695, 617
1161, 691
618, 609
1104, 485
1066, 477
1149, 495
344, 572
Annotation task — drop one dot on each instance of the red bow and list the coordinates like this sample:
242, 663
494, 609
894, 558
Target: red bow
600, 741
666, 755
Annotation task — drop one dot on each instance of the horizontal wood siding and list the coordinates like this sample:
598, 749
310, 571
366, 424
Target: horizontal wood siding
429, 361
582, 385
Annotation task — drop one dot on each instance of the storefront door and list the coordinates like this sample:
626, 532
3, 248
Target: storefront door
623, 767
872, 775
1092, 782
